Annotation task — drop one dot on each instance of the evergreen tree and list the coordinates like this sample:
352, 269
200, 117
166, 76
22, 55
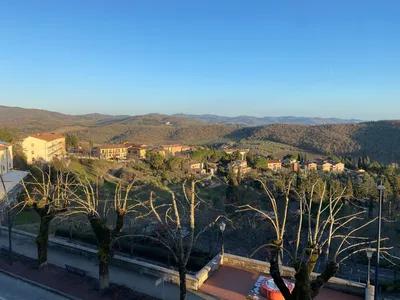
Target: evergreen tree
349, 189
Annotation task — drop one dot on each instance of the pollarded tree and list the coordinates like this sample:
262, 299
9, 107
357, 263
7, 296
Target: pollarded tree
47, 194
86, 201
177, 218
327, 232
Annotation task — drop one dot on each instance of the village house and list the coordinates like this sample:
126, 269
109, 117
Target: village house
6, 158
338, 167
274, 164
324, 166
158, 151
175, 149
310, 165
137, 151
239, 165
44, 146
194, 167
112, 152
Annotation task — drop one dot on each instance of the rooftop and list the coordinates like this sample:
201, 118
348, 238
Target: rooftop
274, 161
113, 146
48, 137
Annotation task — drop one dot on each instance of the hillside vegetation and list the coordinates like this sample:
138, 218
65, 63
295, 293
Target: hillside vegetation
379, 140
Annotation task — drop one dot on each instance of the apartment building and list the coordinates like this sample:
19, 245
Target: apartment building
175, 149
112, 152
44, 146
6, 158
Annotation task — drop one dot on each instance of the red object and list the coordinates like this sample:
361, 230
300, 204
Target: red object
271, 291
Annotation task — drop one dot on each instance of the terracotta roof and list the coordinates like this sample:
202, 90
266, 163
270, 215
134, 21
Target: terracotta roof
274, 161
113, 146
47, 136
2, 147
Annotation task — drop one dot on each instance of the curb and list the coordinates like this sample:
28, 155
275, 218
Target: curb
44, 287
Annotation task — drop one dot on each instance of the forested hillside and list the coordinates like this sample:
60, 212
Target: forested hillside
379, 140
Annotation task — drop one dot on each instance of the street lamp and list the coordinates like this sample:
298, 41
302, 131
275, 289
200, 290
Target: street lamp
369, 252
381, 189
222, 227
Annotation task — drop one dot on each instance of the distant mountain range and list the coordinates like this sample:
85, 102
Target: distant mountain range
256, 121
380, 140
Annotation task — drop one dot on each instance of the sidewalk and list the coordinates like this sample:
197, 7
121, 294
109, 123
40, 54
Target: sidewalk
142, 283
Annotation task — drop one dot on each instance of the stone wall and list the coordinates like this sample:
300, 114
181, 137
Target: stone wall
193, 282
208, 269
118, 260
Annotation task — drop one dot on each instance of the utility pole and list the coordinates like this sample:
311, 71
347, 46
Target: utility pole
381, 189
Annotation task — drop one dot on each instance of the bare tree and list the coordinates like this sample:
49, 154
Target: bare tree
178, 220
326, 231
48, 197
86, 201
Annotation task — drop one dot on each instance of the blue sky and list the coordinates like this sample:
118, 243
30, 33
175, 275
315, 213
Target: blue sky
228, 57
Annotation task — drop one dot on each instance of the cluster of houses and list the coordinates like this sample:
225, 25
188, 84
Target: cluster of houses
325, 165
47, 146
137, 151
275, 165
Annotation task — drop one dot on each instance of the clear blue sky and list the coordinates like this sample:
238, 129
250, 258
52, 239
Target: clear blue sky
258, 57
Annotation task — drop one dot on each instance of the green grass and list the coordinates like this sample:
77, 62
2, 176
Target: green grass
27, 216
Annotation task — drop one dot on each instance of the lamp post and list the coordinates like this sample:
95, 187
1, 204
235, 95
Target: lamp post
369, 252
381, 189
222, 227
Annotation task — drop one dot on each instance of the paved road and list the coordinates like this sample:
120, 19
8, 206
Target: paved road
136, 281
15, 289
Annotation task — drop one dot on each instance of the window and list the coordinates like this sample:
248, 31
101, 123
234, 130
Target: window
33, 152
32, 145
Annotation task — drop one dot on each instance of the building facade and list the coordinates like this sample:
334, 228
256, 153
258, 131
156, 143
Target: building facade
175, 149
112, 152
44, 146
137, 151
274, 164
6, 158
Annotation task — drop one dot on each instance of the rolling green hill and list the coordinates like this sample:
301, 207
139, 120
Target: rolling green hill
380, 140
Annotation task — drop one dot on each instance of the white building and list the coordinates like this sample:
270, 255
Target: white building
6, 157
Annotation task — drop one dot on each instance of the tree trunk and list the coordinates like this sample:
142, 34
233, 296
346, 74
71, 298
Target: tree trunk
104, 276
42, 240
302, 289
105, 237
182, 283
275, 270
